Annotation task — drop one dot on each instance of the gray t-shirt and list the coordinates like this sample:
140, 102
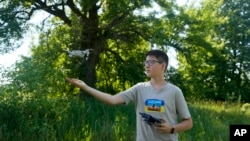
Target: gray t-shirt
168, 103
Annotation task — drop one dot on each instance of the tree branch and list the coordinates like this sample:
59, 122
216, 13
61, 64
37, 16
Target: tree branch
54, 10
115, 54
73, 7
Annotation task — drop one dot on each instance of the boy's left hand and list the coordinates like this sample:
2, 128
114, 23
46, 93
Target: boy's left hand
163, 127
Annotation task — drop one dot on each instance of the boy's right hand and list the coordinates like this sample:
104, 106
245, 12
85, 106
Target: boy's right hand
76, 82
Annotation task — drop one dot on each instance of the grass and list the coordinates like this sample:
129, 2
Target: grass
73, 120
212, 120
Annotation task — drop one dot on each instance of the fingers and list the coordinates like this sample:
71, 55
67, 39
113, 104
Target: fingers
71, 80
68, 79
75, 82
164, 119
160, 128
158, 124
163, 127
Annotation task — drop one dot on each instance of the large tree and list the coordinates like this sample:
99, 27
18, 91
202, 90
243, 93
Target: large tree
95, 22
236, 33
201, 45
215, 63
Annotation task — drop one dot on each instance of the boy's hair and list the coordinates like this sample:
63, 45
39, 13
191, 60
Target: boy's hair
161, 56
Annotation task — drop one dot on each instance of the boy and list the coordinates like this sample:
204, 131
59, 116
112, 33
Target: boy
157, 98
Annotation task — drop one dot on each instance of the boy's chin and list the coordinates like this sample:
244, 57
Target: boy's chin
148, 75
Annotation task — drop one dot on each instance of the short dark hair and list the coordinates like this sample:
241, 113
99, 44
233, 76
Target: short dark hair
160, 55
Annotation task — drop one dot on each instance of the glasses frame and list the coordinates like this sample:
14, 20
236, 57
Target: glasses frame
151, 62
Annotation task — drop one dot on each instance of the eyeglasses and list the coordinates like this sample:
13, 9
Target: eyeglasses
150, 62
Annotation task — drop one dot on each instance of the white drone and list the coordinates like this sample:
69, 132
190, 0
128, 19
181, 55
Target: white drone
79, 53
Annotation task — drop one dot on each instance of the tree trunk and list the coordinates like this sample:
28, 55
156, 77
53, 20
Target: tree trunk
91, 38
88, 73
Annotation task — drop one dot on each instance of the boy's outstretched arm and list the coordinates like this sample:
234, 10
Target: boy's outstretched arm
104, 97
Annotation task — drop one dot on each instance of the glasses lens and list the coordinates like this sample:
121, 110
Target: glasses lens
149, 62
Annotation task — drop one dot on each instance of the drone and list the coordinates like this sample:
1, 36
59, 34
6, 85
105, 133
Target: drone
79, 53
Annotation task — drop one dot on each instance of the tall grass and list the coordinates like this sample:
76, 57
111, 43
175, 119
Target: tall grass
74, 120
212, 120
65, 120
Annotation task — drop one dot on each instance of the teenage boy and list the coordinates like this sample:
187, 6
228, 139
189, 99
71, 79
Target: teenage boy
157, 97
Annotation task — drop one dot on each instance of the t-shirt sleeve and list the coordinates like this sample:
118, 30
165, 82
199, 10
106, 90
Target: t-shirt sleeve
129, 94
181, 105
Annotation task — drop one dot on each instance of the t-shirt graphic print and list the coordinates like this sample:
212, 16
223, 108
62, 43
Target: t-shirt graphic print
154, 105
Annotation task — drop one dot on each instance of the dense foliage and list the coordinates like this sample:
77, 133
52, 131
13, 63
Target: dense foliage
216, 63
211, 39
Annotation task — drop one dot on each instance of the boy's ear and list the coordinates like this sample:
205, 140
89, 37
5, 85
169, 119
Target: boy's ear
164, 66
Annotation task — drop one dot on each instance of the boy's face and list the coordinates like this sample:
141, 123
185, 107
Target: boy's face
153, 67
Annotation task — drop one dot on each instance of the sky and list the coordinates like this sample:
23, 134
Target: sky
9, 59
